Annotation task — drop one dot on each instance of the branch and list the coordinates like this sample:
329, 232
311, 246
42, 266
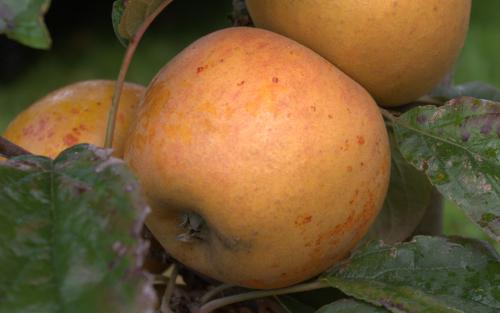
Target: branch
218, 303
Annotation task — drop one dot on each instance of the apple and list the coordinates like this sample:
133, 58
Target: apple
77, 113
398, 50
263, 163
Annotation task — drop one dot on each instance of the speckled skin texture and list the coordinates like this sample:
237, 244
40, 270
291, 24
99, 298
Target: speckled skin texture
284, 157
77, 113
397, 49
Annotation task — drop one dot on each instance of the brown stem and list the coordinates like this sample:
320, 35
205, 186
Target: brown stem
218, 303
9, 149
387, 114
127, 59
215, 291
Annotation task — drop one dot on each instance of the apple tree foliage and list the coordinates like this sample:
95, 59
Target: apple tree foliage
70, 227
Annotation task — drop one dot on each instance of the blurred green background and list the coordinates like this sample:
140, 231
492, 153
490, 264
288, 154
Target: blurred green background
85, 48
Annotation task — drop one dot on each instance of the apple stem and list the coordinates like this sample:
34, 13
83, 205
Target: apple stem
387, 114
127, 59
218, 303
215, 291
429, 100
8, 149
165, 301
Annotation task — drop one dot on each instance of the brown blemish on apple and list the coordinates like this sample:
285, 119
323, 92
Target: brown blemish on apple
240, 83
70, 140
201, 69
356, 193
74, 111
361, 140
303, 220
339, 229
27, 131
275, 80
349, 168
345, 147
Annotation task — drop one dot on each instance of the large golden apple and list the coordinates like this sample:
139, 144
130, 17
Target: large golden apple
263, 163
77, 113
397, 49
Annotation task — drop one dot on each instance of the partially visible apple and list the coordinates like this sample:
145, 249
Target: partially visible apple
77, 113
263, 163
398, 50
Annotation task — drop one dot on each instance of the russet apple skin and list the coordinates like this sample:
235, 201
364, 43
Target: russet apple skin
77, 113
398, 50
284, 157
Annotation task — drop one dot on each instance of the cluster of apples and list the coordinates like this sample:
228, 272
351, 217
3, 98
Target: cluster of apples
265, 160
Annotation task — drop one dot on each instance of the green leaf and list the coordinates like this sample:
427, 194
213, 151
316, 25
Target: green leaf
458, 146
116, 16
128, 16
406, 202
22, 20
350, 306
479, 90
70, 235
428, 274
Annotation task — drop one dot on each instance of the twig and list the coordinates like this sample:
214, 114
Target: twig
215, 291
388, 115
218, 303
165, 301
127, 59
10, 150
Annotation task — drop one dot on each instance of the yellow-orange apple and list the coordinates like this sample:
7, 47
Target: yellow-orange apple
263, 163
77, 113
398, 50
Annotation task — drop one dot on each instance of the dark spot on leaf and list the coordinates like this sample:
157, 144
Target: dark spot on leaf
488, 218
119, 248
486, 129
81, 189
388, 304
465, 135
425, 165
421, 119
